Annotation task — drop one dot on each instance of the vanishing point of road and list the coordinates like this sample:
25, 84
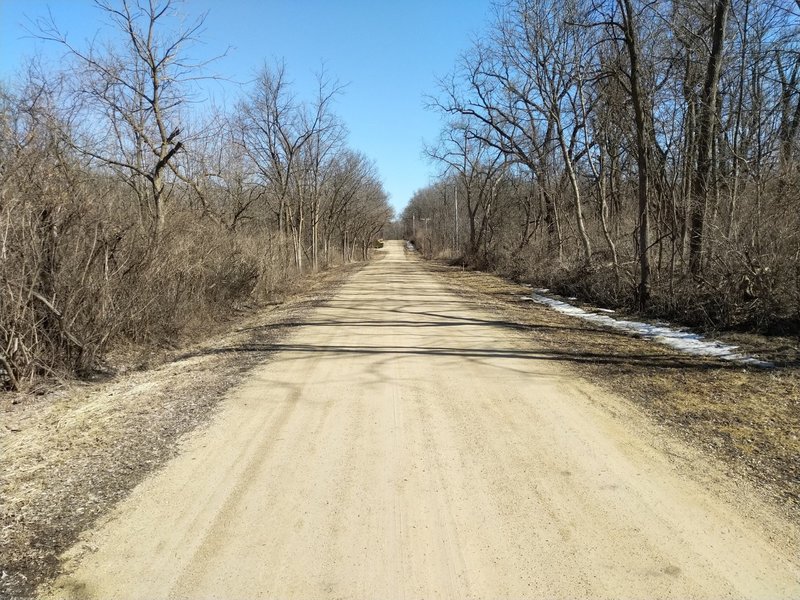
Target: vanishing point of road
402, 443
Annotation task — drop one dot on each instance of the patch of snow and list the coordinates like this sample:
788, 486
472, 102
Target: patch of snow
410, 247
684, 341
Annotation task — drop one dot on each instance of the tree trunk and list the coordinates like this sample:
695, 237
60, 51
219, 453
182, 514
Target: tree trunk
576, 191
705, 137
631, 42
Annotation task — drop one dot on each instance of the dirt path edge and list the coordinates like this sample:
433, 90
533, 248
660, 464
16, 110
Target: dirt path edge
67, 458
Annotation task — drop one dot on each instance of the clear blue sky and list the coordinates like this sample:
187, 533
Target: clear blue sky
388, 51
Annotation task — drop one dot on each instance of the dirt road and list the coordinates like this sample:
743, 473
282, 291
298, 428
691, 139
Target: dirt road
404, 444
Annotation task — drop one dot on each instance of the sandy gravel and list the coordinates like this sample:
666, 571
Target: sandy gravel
406, 444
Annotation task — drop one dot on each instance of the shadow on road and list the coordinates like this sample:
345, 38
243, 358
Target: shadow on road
405, 313
572, 356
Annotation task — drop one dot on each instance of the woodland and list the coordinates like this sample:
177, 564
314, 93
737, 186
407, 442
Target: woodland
637, 155
132, 211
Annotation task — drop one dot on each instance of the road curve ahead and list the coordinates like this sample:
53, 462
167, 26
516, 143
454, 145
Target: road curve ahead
404, 444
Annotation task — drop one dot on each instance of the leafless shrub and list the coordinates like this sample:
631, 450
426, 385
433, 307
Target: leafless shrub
120, 224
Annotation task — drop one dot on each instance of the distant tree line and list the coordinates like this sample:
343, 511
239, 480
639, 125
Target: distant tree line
131, 213
635, 153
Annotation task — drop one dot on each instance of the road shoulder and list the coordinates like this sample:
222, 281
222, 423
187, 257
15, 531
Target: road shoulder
69, 456
746, 419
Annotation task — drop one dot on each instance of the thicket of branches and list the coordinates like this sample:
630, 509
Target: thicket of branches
634, 153
127, 217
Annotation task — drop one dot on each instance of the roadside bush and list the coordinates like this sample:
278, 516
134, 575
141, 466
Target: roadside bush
745, 285
78, 277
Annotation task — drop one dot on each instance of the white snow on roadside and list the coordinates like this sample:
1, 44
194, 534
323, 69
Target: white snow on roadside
684, 341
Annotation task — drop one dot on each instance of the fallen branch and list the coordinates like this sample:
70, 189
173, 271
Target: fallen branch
58, 314
49, 306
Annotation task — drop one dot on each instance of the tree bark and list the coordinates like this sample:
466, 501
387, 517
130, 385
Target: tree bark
705, 137
632, 44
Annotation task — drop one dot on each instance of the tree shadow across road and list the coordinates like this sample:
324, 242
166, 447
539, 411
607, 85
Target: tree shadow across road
660, 361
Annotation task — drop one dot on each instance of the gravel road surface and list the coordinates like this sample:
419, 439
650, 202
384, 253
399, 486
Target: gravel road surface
404, 443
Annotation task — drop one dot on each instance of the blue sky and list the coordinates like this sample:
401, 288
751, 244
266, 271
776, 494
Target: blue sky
388, 52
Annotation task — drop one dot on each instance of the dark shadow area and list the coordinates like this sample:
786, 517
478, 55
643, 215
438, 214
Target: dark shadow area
441, 320
650, 360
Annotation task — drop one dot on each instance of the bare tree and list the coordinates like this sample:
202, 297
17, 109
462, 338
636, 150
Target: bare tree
130, 95
628, 26
289, 143
707, 119
476, 166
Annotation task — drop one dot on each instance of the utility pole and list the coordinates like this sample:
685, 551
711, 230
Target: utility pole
455, 225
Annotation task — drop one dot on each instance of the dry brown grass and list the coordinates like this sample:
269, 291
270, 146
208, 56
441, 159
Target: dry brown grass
748, 417
68, 456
